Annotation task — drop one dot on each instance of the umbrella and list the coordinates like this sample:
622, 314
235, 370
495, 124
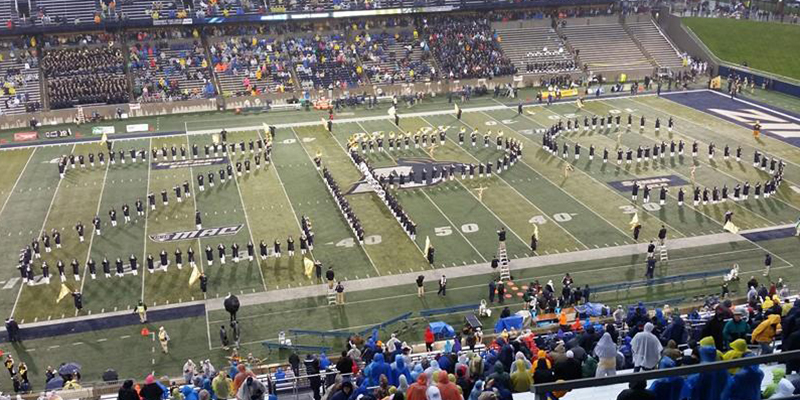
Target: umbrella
231, 304
55, 383
69, 369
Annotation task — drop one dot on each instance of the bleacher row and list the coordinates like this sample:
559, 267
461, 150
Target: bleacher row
172, 67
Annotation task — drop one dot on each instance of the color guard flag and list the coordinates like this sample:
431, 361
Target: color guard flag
427, 244
63, 293
309, 266
730, 227
634, 220
195, 276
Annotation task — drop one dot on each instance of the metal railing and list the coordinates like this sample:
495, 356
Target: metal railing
541, 390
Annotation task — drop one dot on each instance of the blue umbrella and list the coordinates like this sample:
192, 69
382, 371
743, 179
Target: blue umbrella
54, 384
69, 369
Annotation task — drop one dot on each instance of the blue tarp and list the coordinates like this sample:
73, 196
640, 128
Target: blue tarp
592, 309
442, 330
514, 321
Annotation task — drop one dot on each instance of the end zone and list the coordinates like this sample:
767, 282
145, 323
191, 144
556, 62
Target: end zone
776, 123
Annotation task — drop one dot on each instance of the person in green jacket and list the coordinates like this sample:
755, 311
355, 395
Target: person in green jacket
222, 385
734, 329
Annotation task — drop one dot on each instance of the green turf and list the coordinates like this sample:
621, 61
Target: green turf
577, 212
764, 46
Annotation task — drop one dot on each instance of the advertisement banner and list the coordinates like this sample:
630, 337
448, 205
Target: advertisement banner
58, 133
137, 128
103, 130
25, 136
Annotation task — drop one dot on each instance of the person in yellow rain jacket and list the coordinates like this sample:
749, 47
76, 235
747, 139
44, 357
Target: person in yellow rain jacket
765, 332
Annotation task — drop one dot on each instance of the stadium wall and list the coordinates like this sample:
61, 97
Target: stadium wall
690, 43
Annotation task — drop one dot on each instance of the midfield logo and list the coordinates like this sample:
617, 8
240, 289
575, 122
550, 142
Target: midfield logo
196, 234
197, 162
655, 182
404, 166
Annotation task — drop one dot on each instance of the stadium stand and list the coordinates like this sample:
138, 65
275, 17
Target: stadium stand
60, 11
466, 47
84, 69
19, 71
169, 66
390, 57
659, 48
324, 61
144, 9
536, 50
251, 61
605, 47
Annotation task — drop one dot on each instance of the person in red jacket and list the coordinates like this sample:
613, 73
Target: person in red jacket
429, 339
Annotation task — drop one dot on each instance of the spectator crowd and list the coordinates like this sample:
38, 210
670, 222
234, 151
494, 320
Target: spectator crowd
85, 75
466, 47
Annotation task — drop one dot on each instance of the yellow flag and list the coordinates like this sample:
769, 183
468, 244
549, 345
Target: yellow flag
427, 244
309, 266
536, 231
63, 293
730, 227
195, 276
215, 138
634, 220
104, 139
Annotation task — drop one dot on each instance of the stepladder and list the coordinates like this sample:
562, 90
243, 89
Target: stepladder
331, 297
663, 256
502, 257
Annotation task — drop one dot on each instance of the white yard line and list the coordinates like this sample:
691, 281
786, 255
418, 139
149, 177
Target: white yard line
199, 245
44, 224
363, 248
393, 159
700, 141
672, 196
91, 237
583, 172
316, 122
274, 168
514, 189
146, 215
19, 177
246, 219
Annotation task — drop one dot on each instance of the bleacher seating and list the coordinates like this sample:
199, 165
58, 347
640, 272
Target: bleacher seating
656, 44
169, 70
536, 50
393, 57
19, 75
466, 47
60, 11
324, 61
79, 71
247, 65
144, 9
605, 47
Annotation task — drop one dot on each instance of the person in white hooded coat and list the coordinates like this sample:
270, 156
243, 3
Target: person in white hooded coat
646, 349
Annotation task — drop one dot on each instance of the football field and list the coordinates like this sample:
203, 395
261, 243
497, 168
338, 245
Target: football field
585, 208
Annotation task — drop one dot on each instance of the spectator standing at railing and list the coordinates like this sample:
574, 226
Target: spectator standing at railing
736, 328
764, 334
222, 385
646, 349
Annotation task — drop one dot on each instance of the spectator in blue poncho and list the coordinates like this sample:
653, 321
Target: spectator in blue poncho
707, 385
379, 367
676, 330
399, 368
188, 392
668, 388
506, 356
445, 362
324, 363
416, 372
745, 384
